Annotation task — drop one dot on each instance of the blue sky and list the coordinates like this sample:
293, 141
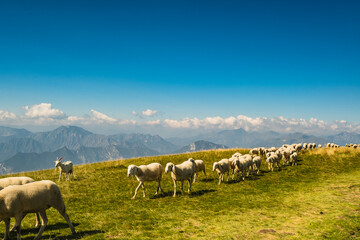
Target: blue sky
180, 59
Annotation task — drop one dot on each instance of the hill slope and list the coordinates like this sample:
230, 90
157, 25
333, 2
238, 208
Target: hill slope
315, 200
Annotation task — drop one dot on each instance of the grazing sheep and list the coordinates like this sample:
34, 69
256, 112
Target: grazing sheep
241, 165
257, 164
146, 173
328, 145
199, 166
298, 147
181, 172
66, 167
18, 200
273, 159
293, 158
232, 164
222, 167
305, 146
248, 158
5, 182
255, 151
319, 146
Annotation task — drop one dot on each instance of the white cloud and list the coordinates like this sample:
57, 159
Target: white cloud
149, 112
101, 117
134, 113
43, 110
5, 115
44, 115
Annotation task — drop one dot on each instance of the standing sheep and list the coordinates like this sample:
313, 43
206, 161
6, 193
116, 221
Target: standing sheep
146, 173
199, 166
181, 172
222, 167
257, 164
66, 167
18, 200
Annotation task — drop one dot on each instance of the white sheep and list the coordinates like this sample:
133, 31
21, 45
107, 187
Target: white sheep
18, 200
66, 167
222, 167
199, 166
146, 173
257, 164
241, 165
181, 172
272, 160
5, 182
255, 151
293, 158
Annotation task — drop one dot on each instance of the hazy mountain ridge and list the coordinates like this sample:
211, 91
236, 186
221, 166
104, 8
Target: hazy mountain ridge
21, 150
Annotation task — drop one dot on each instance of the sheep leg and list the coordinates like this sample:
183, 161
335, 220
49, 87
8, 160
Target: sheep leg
182, 187
205, 172
159, 187
66, 217
7, 227
44, 221
190, 181
220, 176
18, 218
37, 224
174, 188
136, 190
143, 187
195, 177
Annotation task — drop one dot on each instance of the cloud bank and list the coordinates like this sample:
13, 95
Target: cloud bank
44, 114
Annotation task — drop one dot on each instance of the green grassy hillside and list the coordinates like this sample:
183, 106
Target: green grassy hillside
318, 199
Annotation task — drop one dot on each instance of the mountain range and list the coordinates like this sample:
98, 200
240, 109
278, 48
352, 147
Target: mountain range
22, 150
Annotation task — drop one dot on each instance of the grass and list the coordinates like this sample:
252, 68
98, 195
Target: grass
318, 199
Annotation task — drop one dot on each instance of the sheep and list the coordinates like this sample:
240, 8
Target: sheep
319, 146
181, 172
305, 146
273, 159
248, 158
66, 167
255, 151
222, 167
241, 165
146, 173
5, 182
294, 158
18, 200
199, 166
257, 164
298, 147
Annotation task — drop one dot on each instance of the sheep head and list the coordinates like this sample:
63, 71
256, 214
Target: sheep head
216, 165
169, 167
131, 170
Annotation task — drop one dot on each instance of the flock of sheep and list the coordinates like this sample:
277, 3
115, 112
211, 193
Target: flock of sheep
22, 195
240, 165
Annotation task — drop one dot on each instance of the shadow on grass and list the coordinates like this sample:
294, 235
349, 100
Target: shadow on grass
201, 192
208, 180
77, 235
178, 193
56, 226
